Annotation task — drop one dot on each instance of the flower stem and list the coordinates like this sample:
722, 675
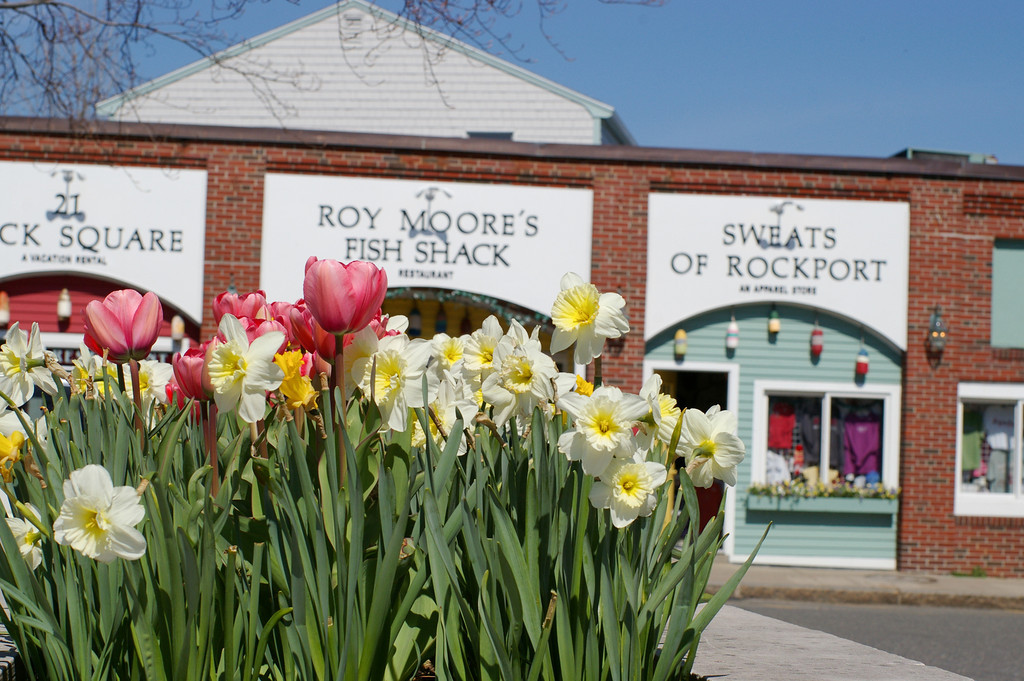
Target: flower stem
136, 393
209, 417
338, 393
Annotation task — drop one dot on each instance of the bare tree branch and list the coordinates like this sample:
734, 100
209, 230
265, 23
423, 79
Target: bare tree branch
58, 58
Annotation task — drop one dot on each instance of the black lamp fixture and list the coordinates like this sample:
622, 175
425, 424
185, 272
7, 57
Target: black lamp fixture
938, 331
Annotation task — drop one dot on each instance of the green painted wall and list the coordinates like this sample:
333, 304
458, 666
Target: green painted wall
787, 357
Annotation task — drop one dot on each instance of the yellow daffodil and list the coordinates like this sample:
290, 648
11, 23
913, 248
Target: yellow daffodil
10, 453
296, 388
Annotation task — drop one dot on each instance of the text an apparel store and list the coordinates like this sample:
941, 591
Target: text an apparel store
793, 312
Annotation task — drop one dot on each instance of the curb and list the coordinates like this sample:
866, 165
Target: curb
891, 596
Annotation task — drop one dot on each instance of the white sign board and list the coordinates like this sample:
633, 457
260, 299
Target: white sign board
709, 252
143, 227
509, 242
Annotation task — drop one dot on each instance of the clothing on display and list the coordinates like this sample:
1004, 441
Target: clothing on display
795, 437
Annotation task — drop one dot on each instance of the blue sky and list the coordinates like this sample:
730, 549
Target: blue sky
865, 78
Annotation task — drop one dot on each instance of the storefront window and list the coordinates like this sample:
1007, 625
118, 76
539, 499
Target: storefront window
988, 453
855, 446
850, 452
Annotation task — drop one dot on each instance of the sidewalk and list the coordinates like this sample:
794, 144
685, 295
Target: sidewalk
745, 646
834, 585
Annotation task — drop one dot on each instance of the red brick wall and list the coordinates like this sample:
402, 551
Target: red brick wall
956, 212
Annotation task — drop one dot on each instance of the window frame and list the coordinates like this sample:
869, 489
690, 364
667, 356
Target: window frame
966, 503
891, 414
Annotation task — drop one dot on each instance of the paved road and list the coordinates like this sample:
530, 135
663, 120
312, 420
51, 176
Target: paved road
985, 645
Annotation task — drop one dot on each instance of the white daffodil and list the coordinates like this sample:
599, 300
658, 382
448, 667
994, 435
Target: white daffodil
446, 354
88, 368
664, 414
28, 536
584, 316
98, 519
454, 401
709, 443
23, 365
478, 352
521, 376
153, 379
241, 373
627, 489
393, 375
603, 427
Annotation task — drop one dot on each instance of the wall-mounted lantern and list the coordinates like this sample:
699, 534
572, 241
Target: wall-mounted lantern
938, 331
63, 306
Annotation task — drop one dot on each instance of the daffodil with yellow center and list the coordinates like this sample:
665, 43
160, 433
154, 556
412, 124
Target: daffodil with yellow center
710, 446
663, 415
627, 489
478, 350
583, 315
522, 376
28, 537
517, 374
584, 387
241, 372
98, 519
603, 427
393, 376
23, 365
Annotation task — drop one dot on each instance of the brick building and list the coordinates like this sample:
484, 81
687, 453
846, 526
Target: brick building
711, 243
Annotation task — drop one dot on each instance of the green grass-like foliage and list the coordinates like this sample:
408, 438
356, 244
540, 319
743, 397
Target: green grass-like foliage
490, 565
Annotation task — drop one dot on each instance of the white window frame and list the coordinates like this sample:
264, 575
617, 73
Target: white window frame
732, 372
888, 394
1009, 505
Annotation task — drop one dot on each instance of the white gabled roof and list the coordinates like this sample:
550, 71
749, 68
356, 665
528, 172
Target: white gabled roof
603, 114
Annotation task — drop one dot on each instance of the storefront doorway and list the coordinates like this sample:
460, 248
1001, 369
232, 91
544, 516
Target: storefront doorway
696, 389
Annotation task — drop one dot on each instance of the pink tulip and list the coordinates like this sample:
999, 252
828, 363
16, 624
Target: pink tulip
188, 372
247, 305
343, 298
124, 325
310, 335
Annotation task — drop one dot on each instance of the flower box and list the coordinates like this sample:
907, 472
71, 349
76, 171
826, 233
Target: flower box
823, 504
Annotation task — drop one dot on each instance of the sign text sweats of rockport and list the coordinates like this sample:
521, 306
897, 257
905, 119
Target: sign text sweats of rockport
849, 257
131, 225
458, 236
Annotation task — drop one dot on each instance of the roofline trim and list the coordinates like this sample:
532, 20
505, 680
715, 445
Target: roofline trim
206, 134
